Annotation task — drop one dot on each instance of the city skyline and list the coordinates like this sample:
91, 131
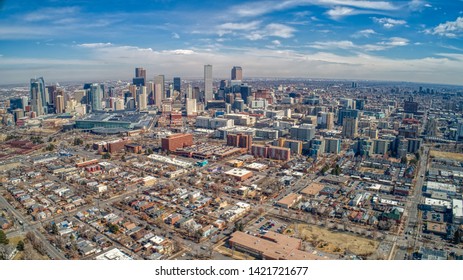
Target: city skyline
415, 41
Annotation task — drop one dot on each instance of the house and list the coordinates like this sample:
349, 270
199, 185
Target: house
4, 224
9, 252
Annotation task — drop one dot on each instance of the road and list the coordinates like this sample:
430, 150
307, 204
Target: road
412, 224
51, 251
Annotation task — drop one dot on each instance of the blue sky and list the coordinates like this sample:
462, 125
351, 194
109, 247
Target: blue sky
414, 40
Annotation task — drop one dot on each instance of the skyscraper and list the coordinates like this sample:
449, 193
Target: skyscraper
140, 77
208, 94
142, 99
140, 72
59, 104
177, 84
38, 96
96, 92
237, 73
159, 92
349, 127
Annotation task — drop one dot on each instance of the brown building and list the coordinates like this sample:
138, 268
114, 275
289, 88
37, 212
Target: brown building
271, 152
133, 148
239, 140
117, 145
176, 141
272, 246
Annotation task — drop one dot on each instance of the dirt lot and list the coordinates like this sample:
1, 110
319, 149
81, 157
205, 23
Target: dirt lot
335, 242
372, 170
447, 155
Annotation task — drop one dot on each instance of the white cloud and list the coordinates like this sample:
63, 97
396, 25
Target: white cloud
271, 30
339, 12
276, 42
279, 30
349, 45
95, 45
179, 52
175, 35
451, 29
389, 22
395, 42
50, 14
231, 27
334, 45
264, 7
364, 33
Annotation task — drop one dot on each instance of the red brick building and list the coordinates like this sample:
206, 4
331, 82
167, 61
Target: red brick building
239, 140
176, 141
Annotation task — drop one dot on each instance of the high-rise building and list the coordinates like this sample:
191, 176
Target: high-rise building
59, 104
239, 140
191, 107
349, 127
305, 132
159, 90
177, 84
17, 103
140, 72
347, 113
142, 99
140, 77
38, 96
332, 145
96, 93
237, 73
208, 92
52, 92
150, 92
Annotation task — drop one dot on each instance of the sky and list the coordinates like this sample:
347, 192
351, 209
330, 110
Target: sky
64, 40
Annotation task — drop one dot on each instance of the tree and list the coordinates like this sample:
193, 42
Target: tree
457, 237
20, 245
78, 142
54, 229
3, 239
106, 155
50, 147
324, 169
336, 171
113, 228
404, 160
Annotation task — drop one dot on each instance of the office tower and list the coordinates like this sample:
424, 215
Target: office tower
237, 73
16, 103
246, 91
196, 94
230, 98
410, 106
52, 92
96, 95
159, 90
119, 104
140, 77
150, 93
191, 107
332, 145
17, 114
208, 83
347, 113
38, 96
189, 92
223, 84
59, 104
140, 72
305, 132
177, 84
142, 99
349, 127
